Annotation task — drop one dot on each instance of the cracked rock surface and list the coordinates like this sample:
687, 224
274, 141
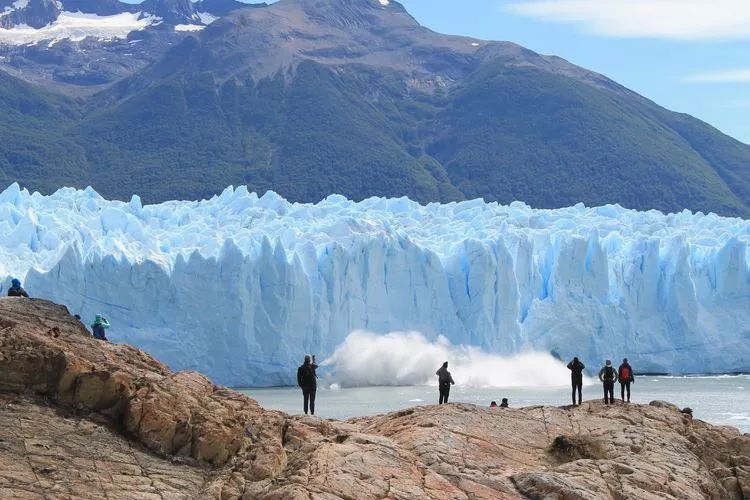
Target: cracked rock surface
81, 418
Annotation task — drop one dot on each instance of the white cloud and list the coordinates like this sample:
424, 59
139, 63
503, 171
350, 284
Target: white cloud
725, 76
672, 19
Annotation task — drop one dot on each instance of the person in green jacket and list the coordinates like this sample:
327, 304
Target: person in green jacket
99, 325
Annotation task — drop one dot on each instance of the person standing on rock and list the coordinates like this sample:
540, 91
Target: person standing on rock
444, 382
608, 376
576, 378
99, 326
307, 379
16, 290
625, 374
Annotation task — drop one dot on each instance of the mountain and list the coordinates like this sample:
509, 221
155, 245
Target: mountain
311, 97
79, 47
33, 13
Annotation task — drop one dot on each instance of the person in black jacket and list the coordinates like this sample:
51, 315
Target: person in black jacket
16, 290
445, 380
307, 379
625, 374
576, 378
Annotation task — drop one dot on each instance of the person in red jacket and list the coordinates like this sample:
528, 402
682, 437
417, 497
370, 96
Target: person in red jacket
625, 375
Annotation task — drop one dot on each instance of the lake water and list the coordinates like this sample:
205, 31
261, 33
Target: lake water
722, 400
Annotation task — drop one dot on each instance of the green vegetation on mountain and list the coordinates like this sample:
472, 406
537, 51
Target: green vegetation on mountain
522, 135
35, 148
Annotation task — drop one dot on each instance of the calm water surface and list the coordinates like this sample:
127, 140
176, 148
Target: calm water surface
722, 400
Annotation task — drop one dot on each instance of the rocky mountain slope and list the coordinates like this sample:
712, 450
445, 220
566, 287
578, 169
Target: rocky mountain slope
84, 419
313, 97
79, 47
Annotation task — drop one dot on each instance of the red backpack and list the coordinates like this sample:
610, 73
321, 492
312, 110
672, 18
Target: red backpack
625, 373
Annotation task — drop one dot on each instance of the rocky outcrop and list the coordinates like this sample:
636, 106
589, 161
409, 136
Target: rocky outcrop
34, 13
81, 418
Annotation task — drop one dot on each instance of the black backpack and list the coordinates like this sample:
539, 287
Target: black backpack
308, 375
609, 373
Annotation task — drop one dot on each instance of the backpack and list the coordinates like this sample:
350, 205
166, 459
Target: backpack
609, 373
308, 375
98, 331
625, 373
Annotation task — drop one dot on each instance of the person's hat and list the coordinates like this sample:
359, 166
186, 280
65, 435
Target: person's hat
15, 282
608, 363
625, 360
307, 357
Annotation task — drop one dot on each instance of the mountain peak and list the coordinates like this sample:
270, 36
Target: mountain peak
350, 13
33, 13
171, 11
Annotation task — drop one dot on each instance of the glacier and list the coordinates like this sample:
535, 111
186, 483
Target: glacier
241, 286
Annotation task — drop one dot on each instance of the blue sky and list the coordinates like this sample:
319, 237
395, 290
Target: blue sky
691, 56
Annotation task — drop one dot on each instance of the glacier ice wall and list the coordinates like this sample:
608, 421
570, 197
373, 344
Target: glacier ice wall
241, 286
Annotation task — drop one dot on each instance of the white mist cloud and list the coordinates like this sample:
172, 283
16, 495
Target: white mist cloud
724, 76
672, 19
408, 358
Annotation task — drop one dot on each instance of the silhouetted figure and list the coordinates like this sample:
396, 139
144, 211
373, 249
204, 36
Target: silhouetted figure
444, 382
99, 326
504, 403
493, 405
16, 290
307, 379
608, 376
625, 374
576, 378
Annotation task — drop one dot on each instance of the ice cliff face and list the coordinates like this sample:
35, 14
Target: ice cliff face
240, 287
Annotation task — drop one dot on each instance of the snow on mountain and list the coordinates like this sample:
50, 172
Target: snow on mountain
206, 18
77, 26
25, 22
189, 27
241, 287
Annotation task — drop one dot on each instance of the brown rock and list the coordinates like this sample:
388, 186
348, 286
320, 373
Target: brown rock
80, 418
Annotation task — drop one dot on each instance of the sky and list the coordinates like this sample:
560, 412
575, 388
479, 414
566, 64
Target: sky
691, 56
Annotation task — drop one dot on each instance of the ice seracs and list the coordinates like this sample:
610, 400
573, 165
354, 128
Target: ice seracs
241, 286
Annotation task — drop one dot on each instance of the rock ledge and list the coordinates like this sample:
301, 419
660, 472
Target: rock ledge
85, 419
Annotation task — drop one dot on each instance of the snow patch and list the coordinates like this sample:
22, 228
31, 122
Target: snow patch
384, 2
206, 18
189, 27
77, 26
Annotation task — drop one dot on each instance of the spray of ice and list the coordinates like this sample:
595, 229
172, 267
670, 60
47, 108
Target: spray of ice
408, 358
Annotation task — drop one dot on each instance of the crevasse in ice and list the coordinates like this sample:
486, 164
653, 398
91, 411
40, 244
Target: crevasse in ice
240, 286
